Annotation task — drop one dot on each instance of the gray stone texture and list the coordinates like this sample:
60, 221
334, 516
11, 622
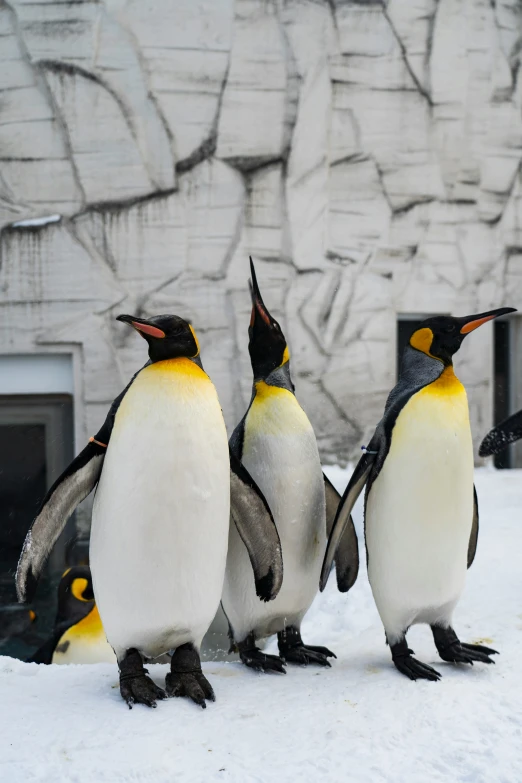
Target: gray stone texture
366, 154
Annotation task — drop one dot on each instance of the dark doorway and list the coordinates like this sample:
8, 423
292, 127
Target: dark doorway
36, 444
502, 384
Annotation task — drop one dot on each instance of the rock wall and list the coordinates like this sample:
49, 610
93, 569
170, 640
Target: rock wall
366, 154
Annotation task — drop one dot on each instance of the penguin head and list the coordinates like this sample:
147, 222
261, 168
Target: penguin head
441, 336
75, 594
267, 345
168, 336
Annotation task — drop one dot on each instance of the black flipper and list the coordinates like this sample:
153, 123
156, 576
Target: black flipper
417, 371
502, 435
67, 492
343, 515
472, 546
347, 556
255, 524
73, 486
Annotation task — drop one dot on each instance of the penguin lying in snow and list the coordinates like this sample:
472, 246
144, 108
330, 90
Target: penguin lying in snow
78, 635
421, 513
166, 488
276, 443
499, 438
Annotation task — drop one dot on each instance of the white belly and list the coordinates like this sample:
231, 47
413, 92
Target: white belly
280, 452
161, 513
419, 513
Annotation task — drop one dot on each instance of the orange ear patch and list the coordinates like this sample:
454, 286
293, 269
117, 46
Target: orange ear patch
469, 327
152, 331
422, 340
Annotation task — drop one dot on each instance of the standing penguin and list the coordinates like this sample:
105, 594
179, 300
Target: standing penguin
78, 635
161, 516
421, 515
275, 442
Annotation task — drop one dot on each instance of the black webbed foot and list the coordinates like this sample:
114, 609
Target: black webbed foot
255, 659
405, 662
186, 677
135, 686
293, 650
454, 651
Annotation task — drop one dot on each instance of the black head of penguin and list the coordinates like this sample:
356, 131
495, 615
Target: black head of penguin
168, 336
267, 345
75, 595
441, 336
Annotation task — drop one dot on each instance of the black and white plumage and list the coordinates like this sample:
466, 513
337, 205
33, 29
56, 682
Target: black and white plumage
161, 516
421, 511
276, 443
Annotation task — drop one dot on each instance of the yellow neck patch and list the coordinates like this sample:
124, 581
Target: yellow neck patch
89, 629
447, 384
422, 340
276, 412
286, 356
180, 366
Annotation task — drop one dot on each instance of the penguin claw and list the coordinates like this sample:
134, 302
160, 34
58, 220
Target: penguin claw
415, 670
141, 690
480, 648
193, 685
305, 654
460, 652
261, 662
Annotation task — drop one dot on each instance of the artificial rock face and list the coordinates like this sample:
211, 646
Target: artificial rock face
366, 154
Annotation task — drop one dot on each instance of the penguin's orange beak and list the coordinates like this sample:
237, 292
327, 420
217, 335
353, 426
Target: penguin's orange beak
472, 322
141, 325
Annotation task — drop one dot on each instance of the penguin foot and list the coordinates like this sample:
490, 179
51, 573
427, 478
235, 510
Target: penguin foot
255, 659
293, 650
194, 686
135, 686
454, 651
405, 662
186, 678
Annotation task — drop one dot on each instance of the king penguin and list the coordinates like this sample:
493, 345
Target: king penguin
160, 520
421, 512
276, 443
78, 635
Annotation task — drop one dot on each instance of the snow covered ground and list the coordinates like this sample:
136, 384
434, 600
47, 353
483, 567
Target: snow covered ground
358, 722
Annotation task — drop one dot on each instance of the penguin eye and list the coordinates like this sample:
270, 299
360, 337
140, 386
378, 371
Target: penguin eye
449, 329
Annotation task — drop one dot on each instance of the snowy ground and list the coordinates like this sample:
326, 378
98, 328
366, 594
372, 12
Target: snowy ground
356, 722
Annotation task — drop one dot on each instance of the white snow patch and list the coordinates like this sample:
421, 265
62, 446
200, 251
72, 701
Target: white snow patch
41, 221
358, 722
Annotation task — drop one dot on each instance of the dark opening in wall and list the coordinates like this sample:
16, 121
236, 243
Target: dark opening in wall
36, 444
502, 383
